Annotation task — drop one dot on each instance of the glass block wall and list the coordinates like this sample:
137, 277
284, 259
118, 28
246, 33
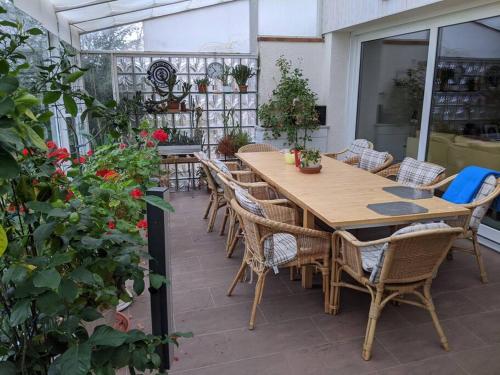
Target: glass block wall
238, 108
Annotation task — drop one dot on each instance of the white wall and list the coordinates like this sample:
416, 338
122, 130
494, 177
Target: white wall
288, 17
220, 28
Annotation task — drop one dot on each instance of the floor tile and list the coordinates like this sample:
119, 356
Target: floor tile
188, 300
443, 365
482, 361
484, 325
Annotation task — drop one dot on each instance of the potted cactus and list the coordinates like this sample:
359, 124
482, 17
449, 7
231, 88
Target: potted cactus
202, 84
174, 102
224, 77
241, 74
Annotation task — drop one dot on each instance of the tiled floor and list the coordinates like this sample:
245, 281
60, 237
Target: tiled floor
293, 335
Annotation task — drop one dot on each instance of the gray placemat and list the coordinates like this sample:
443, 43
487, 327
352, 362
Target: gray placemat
408, 192
397, 208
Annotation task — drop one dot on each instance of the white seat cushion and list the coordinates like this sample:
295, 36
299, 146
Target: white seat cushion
372, 257
245, 201
279, 248
355, 149
222, 166
486, 189
413, 172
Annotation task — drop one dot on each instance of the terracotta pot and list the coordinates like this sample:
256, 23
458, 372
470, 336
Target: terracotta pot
183, 107
310, 170
173, 106
202, 89
243, 88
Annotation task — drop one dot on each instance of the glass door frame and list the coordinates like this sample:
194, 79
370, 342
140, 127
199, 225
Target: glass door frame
489, 236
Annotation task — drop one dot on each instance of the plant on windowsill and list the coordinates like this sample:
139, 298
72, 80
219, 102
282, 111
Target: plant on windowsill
291, 109
202, 84
224, 77
241, 74
310, 161
234, 137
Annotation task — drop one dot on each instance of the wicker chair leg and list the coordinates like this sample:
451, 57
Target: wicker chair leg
235, 240
256, 299
326, 287
435, 320
237, 278
224, 221
373, 315
213, 215
207, 210
230, 232
335, 289
479, 258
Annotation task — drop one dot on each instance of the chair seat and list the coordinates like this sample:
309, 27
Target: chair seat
370, 256
280, 249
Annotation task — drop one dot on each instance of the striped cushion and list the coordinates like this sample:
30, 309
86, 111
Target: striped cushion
413, 172
279, 248
371, 159
372, 257
202, 155
245, 201
222, 166
486, 189
355, 149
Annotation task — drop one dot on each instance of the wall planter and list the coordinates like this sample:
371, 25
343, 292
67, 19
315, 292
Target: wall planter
319, 138
243, 88
178, 149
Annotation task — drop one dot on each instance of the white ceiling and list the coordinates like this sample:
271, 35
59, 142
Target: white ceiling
92, 15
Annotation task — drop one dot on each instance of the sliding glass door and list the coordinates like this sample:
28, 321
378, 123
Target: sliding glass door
391, 91
464, 127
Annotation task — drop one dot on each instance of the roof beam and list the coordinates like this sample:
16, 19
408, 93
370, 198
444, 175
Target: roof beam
66, 9
152, 18
130, 11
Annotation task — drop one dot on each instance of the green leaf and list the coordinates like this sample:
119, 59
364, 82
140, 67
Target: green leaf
8, 23
70, 105
58, 212
10, 168
158, 202
20, 312
68, 290
7, 105
49, 303
43, 207
138, 286
35, 139
3, 241
51, 97
107, 336
34, 31
42, 233
7, 123
74, 361
8, 84
83, 275
89, 314
156, 281
47, 279
27, 100
74, 76
4, 66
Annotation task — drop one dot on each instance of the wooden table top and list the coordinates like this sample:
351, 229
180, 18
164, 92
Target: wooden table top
339, 195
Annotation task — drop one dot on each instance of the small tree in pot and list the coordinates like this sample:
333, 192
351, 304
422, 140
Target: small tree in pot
241, 74
202, 84
291, 108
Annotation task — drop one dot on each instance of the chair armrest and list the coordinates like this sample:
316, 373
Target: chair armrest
390, 171
352, 161
334, 155
232, 165
439, 184
495, 193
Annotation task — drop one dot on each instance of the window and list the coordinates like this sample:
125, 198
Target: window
391, 91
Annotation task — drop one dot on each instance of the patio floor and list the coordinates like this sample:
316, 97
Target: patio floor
293, 335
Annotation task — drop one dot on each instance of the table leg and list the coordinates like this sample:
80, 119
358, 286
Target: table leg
307, 271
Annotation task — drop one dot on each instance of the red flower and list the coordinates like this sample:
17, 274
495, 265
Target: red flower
136, 193
90, 153
111, 175
143, 134
150, 144
102, 172
51, 145
69, 195
160, 135
80, 160
25, 152
11, 207
59, 154
111, 224
59, 173
122, 146
142, 224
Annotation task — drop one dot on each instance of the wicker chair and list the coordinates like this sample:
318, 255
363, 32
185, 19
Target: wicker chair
479, 206
259, 190
312, 247
257, 147
408, 266
392, 172
370, 160
216, 200
349, 154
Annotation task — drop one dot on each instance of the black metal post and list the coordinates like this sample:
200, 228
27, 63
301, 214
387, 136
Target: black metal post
159, 249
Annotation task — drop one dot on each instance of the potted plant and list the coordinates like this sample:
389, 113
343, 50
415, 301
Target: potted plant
202, 84
310, 161
241, 74
234, 136
174, 102
291, 109
224, 77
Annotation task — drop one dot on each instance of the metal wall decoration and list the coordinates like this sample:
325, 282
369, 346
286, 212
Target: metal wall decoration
159, 73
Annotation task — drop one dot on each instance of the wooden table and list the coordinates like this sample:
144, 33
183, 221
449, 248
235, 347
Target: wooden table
339, 195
